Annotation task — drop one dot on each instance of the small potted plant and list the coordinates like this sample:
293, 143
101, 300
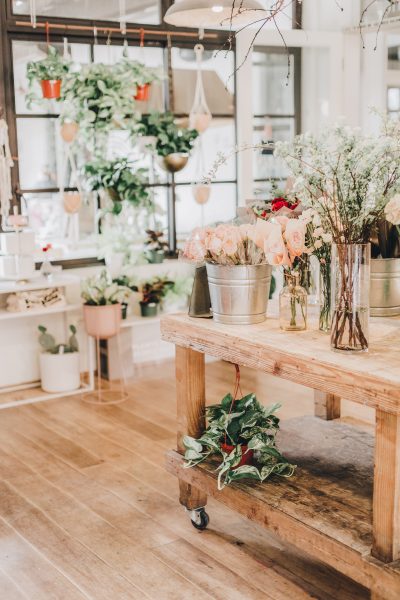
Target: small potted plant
153, 292
102, 310
242, 434
121, 183
156, 246
49, 72
140, 75
59, 363
125, 281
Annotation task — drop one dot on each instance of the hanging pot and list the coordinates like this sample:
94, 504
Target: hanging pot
200, 121
60, 372
102, 322
201, 192
72, 202
51, 88
68, 131
142, 92
172, 163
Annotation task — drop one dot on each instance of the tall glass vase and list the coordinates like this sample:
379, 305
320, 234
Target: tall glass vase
350, 273
325, 296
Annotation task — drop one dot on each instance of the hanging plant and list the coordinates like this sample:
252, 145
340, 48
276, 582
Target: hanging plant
50, 73
121, 183
139, 75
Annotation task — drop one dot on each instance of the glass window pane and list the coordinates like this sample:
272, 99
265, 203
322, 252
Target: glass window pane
137, 11
265, 164
38, 152
273, 93
218, 85
221, 206
25, 52
393, 99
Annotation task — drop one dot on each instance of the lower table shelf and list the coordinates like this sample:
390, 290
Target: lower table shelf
326, 507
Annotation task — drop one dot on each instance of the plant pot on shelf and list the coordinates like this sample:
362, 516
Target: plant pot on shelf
60, 372
142, 92
68, 131
51, 88
102, 322
385, 287
172, 163
247, 455
239, 293
148, 309
155, 257
124, 310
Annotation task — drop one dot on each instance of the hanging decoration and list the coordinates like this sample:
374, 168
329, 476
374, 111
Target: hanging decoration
201, 191
32, 10
71, 201
6, 162
200, 115
122, 16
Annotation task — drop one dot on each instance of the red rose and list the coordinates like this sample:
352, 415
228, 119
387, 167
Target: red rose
278, 203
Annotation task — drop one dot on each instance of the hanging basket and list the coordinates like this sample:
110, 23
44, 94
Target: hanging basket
68, 131
72, 202
201, 193
172, 163
102, 322
200, 121
51, 88
142, 92
200, 115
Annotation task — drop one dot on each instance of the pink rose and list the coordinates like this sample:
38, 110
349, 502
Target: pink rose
295, 235
275, 248
214, 244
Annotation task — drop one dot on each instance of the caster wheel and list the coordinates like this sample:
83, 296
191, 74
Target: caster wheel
199, 519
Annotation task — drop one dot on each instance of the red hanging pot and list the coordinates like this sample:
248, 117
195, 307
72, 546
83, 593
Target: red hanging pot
247, 456
51, 88
142, 92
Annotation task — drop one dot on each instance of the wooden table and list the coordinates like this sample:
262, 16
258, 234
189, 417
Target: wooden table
338, 508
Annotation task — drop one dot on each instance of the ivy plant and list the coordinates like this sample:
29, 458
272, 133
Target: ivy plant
238, 423
133, 71
170, 137
53, 67
122, 183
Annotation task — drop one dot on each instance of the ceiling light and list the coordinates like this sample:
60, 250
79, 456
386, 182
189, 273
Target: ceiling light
212, 13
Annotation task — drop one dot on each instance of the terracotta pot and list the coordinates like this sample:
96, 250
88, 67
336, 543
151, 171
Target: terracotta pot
200, 121
102, 322
72, 202
51, 88
68, 131
142, 92
173, 162
201, 193
247, 459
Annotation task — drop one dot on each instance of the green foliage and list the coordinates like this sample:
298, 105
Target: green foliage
126, 281
133, 71
53, 67
170, 137
101, 290
120, 181
154, 290
240, 422
49, 345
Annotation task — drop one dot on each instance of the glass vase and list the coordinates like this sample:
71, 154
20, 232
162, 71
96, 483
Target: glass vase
293, 305
350, 280
325, 297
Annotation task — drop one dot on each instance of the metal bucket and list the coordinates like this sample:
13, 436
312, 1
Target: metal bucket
385, 287
239, 294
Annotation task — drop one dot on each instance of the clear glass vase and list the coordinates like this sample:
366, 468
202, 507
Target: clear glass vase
350, 280
293, 305
325, 297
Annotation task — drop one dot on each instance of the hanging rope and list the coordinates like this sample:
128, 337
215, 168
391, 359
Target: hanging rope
32, 8
236, 390
122, 16
200, 115
47, 34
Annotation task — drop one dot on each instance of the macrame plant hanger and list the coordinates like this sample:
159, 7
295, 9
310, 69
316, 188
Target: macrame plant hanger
200, 115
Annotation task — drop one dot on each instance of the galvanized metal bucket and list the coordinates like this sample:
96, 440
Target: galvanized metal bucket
239, 294
385, 287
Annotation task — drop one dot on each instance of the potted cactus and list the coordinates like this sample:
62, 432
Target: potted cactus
59, 363
49, 72
102, 309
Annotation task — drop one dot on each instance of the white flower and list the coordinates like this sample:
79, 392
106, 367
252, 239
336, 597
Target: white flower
318, 244
392, 210
327, 238
318, 232
307, 215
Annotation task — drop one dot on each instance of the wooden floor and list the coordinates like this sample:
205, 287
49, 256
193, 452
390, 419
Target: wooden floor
81, 515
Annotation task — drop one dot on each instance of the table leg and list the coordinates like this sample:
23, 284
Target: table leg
190, 389
326, 406
386, 502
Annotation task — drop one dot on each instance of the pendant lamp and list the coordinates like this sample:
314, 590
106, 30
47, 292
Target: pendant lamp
212, 13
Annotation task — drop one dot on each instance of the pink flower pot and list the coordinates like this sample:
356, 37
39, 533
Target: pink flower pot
102, 322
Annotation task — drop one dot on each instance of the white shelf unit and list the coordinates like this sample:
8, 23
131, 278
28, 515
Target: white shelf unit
61, 281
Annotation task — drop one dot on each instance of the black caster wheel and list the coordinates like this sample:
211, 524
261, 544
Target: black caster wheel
199, 519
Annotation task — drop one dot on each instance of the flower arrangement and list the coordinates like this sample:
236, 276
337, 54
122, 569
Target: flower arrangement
240, 432
100, 290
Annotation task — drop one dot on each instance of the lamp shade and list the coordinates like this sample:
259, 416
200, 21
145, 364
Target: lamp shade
212, 13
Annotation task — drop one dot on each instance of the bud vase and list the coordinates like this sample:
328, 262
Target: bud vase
350, 278
293, 304
325, 297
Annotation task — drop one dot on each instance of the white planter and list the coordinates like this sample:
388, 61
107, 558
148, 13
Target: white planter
60, 372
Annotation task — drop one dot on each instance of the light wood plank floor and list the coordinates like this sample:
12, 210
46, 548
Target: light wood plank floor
88, 511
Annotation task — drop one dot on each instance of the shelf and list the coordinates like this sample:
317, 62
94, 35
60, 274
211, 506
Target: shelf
5, 314
11, 287
136, 320
41, 397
